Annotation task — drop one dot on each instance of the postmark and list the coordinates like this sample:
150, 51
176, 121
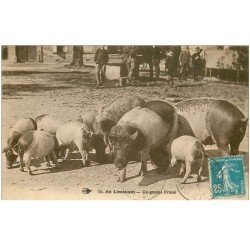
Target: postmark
227, 176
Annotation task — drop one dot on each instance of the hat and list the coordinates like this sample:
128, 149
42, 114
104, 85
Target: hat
170, 52
197, 48
184, 47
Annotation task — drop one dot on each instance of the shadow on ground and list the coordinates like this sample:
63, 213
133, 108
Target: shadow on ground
13, 89
152, 176
189, 85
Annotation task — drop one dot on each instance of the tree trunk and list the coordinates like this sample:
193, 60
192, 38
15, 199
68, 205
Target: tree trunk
77, 56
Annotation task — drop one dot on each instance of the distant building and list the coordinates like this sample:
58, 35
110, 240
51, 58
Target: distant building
44, 53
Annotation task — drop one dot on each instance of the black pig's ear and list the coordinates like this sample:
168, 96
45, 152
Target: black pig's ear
4, 150
134, 135
113, 133
244, 120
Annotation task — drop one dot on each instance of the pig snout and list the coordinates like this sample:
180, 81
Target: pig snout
121, 171
120, 162
10, 158
121, 158
8, 165
119, 166
173, 161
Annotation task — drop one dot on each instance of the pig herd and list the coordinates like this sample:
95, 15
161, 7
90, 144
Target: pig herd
132, 129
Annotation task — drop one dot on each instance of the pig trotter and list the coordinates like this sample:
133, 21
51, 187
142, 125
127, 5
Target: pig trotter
183, 180
188, 171
66, 153
28, 165
120, 180
199, 174
144, 159
47, 161
182, 170
142, 172
21, 164
87, 163
54, 158
122, 175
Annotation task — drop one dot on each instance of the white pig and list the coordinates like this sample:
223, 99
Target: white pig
48, 123
74, 134
21, 127
88, 118
37, 144
189, 151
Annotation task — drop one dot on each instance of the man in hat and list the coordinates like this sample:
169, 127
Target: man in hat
197, 63
170, 67
101, 59
132, 63
184, 60
156, 59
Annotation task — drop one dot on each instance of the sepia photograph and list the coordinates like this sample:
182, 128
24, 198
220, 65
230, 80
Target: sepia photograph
124, 125
125, 122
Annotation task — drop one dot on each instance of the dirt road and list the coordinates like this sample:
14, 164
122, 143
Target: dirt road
69, 95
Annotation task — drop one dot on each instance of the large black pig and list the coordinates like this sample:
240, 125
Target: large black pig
146, 130
106, 118
111, 113
212, 121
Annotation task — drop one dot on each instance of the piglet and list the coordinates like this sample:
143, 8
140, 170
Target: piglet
37, 144
49, 123
21, 127
74, 134
190, 152
88, 118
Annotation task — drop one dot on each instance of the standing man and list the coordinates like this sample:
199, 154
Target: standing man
124, 68
170, 68
131, 66
184, 60
156, 59
197, 63
101, 59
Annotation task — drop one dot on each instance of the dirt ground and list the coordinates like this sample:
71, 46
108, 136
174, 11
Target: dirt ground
69, 95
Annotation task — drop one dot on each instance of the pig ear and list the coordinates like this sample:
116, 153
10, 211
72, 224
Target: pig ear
4, 150
112, 133
244, 120
134, 136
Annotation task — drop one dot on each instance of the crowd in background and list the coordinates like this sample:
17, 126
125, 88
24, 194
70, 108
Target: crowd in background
176, 64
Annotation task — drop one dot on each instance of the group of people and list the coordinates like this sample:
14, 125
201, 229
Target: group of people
151, 55
186, 61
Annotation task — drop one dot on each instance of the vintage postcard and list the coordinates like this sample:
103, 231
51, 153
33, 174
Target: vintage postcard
125, 122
